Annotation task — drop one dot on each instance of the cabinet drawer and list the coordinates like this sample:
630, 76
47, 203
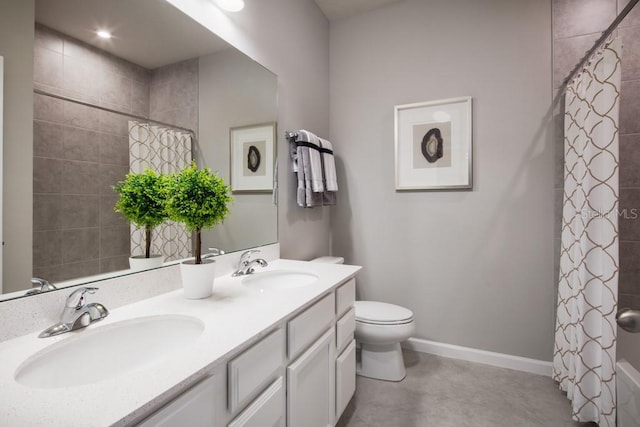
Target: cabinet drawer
253, 369
345, 297
309, 325
194, 407
345, 378
345, 328
266, 410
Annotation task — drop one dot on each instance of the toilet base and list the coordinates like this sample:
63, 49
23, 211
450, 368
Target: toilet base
381, 362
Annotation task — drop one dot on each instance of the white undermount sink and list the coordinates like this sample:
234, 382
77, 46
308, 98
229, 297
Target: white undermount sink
279, 280
89, 356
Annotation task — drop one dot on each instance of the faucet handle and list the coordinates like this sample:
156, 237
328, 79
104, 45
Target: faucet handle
77, 298
246, 254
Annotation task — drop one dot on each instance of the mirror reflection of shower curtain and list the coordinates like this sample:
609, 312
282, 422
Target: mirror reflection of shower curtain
164, 151
584, 358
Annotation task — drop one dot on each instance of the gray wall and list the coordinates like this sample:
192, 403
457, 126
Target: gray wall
290, 38
236, 91
476, 267
576, 26
16, 45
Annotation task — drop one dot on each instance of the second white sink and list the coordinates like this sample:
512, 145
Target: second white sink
88, 356
279, 280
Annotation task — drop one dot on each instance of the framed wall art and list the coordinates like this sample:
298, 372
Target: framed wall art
433, 145
252, 158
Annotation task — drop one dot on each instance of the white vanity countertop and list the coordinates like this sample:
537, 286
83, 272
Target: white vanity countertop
233, 317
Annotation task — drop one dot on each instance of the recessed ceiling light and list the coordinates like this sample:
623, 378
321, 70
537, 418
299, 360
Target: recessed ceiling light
103, 34
231, 5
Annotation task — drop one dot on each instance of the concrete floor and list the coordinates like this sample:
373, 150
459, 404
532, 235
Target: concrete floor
441, 392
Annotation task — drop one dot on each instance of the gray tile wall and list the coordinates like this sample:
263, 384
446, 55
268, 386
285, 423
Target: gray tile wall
79, 152
576, 25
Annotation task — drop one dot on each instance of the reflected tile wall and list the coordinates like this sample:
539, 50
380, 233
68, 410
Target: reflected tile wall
79, 152
576, 25
174, 94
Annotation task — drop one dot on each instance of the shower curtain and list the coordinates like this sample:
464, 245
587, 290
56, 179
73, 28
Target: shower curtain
585, 335
164, 151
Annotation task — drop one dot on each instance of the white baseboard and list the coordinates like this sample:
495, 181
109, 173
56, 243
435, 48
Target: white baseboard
500, 360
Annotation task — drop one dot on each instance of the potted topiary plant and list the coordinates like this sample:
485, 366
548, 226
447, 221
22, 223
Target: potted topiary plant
142, 202
198, 199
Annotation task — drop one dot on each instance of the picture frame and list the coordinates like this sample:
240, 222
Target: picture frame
253, 154
433, 147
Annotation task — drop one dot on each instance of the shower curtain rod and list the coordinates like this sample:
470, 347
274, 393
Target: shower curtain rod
122, 113
605, 34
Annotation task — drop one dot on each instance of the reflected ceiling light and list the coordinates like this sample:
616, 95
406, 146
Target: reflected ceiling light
231, 5
103, 34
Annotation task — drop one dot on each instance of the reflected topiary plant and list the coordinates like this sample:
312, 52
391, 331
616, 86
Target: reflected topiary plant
142, 202
199, 199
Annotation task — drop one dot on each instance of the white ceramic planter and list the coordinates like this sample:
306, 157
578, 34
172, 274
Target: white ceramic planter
197, 279
139, 263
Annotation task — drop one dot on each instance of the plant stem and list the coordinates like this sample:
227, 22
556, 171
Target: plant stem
198, 246
147, 237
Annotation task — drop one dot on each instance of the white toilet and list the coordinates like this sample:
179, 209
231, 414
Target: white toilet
380, 328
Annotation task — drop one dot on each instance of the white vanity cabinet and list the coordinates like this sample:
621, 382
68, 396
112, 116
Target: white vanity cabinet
322, 381
300, 374
345, 362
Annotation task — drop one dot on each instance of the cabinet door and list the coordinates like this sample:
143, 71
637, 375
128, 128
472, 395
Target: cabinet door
254, 369
345, 378
193, 408
266, 411
311, 385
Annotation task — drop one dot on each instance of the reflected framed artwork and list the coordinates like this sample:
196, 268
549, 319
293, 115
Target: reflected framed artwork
433, 145
252, 158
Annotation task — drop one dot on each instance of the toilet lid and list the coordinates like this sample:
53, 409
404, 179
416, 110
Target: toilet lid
382, 313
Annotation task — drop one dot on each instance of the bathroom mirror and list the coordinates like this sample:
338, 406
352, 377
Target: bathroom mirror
158, 64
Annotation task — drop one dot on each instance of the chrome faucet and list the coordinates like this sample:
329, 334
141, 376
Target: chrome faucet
39, 285
246, 264
77, 313
213, 252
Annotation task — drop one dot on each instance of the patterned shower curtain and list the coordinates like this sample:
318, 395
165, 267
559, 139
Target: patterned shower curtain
585, 335
165, 151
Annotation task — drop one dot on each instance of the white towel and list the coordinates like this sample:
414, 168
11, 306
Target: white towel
330, 176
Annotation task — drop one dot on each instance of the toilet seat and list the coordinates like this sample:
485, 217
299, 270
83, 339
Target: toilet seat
381, 313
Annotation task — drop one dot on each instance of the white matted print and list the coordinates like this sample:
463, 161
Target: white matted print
252, 158
433, 145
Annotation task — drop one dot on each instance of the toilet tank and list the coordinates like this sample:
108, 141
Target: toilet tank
329, 259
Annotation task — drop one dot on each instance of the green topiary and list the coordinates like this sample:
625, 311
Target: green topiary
142, 201
198, 199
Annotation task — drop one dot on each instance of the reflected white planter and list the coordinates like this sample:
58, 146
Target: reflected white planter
139, 263
197, 279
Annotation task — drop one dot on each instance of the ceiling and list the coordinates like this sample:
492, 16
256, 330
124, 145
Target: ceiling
148, 39
338, 9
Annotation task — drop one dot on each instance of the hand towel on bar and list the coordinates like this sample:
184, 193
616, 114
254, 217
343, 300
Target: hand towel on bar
293, 153
300, 197
315, 161
311, 198
329, 196
330, 176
